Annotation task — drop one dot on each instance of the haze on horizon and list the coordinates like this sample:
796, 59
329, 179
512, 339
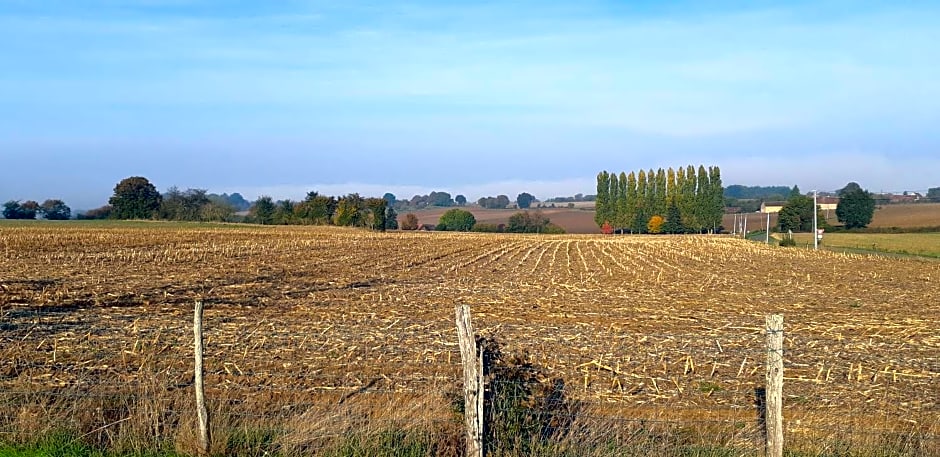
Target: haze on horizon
279, 98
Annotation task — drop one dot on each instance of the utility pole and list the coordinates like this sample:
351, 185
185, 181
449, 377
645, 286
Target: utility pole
768, 229
744, 232
815, 211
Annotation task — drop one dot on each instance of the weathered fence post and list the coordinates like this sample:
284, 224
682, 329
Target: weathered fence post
201, 410
472, 361
774, 392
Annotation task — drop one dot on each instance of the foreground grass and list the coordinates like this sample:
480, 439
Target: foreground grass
918, 244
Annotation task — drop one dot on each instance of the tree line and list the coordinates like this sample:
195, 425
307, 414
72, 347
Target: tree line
137, 198
51, 209
855, 210
684, 200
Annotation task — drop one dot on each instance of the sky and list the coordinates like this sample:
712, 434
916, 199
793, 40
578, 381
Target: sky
475, 98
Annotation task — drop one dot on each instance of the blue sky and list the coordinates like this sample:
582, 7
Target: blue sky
476, 98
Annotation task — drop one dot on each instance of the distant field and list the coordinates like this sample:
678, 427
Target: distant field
923, 244
913, 215
581, 219
573, 220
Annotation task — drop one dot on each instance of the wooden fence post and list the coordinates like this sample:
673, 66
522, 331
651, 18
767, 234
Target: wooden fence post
201, 410
472, 361
774, 393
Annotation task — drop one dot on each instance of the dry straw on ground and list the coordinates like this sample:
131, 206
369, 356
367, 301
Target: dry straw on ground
352, 328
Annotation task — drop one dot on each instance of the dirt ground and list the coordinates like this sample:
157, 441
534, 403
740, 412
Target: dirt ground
654, 327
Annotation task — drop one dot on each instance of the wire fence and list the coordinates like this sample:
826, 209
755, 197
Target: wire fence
123, 384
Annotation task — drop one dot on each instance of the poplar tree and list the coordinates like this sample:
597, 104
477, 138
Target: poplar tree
640, 216
717, 204
603, 198
671, 190
622, 202
660, 198
702, 199
632, 202
613, 199
687, 204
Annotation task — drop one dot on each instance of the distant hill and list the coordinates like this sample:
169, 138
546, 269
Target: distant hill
755, 192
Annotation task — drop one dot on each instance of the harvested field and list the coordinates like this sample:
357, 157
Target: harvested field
304, 322
573, 220
581, 221
907, 215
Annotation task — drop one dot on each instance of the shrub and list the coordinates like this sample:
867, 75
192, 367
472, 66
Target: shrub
523, 407
456, 220
489, 228
410, 222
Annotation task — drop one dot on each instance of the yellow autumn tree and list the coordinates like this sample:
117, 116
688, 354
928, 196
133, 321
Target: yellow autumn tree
655, 225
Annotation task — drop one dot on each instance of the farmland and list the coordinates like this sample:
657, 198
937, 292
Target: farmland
581, 219
918, 244
350, 327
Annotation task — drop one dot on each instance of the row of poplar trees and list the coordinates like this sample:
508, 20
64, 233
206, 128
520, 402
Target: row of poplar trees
661, 201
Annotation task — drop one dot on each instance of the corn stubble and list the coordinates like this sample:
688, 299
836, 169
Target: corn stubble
321, 337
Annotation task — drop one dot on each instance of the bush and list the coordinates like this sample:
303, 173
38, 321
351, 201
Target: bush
524, 409
96, 214
409, 222
456, 220
787, 242
489, 228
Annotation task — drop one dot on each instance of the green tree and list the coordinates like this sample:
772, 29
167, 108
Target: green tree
15, 210
632, 201
642, 209
262, 212
498, 202
687, 203
461, 200
217, 211
672, 189
856, 206
441, 199
316, 209
178, 205
602, 203
456, 220
376, 216
101, 213
349, 211
391, 218
660, 197
797, 214
283, 212
613, 199
524, 200
621, 204
673, 222
933, 194
390, 198
702, 200
716, 200
135, 198
528, 222
55, 210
